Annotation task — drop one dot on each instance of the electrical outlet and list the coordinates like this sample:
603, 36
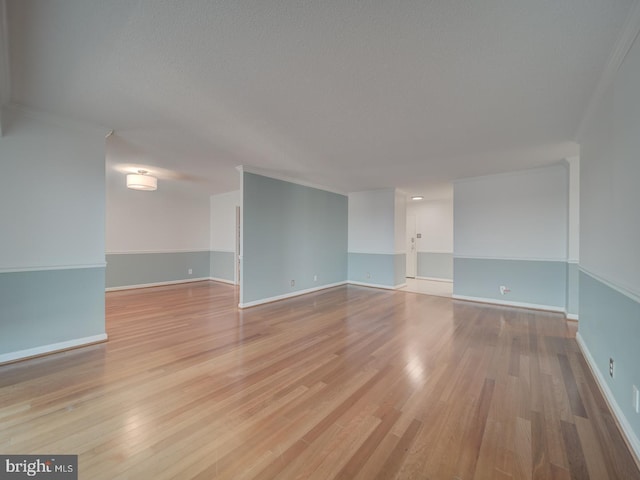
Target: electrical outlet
190, 271
315, 278
611, 367
368, 274
293, 283
504, 290
636, 399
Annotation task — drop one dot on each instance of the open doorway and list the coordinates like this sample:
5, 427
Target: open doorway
412, 251
429, 248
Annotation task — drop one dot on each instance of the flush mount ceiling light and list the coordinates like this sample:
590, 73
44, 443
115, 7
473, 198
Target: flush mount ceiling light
417, 197
142, 181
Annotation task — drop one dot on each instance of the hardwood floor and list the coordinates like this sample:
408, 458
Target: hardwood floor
349, 383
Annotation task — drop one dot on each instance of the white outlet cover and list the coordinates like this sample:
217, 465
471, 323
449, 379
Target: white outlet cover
636, 399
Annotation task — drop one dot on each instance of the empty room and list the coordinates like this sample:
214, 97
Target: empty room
319, 240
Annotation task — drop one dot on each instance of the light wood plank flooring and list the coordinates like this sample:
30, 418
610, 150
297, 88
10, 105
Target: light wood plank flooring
348, 383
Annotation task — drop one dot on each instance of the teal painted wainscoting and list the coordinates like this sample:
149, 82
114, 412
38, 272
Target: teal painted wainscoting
48, 310
290, 232
223, 266
533, 283
610, 328
573, 289
435, 265
377, 269
139, 269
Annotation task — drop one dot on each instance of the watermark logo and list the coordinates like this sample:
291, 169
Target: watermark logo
49, 467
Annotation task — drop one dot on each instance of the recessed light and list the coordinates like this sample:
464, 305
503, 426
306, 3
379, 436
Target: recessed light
417, 197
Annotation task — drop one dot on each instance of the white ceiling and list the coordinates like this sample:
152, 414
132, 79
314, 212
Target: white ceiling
351, 94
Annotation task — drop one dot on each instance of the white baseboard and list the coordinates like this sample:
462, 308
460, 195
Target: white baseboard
156, 284
623, 423
289, 295
377, 285
534, 306
571, 316
435, 279
222, 280
54, 347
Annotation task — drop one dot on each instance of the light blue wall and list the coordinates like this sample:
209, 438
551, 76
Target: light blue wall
610, 327
435, 265
540, 283
386, 270
223, 265
610, 234
573, 287
52, 233
400, 269
51, 306
290, 232
144, 268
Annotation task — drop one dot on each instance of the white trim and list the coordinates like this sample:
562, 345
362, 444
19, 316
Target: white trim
57, 120
155, 284
625, 40
530, 259
222, 280
534, 306
511, 173
627, 431
285, 178
5, 72
573, 261
223, 251
375, 253
435, 279
51, 267
54, 347
289, 295
622, 289
239, 269
136, 252
571, 316
439, 252
377, 285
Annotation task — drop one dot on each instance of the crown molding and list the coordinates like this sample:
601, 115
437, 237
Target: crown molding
20, 110
5, 77
627, 36
286, 178
513, 173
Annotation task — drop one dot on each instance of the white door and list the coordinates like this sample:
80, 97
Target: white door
412, 252
237, 245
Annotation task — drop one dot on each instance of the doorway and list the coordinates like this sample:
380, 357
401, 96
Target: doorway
412, 250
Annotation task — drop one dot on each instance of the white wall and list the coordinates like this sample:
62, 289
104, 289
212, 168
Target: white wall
574, 209
610, 175
519, 215
170, 219
52, 259
400, 220
223, 221
51, 194
372, 227
434, 221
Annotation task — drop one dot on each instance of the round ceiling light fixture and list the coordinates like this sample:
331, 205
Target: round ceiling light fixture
417, 197
142, 181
